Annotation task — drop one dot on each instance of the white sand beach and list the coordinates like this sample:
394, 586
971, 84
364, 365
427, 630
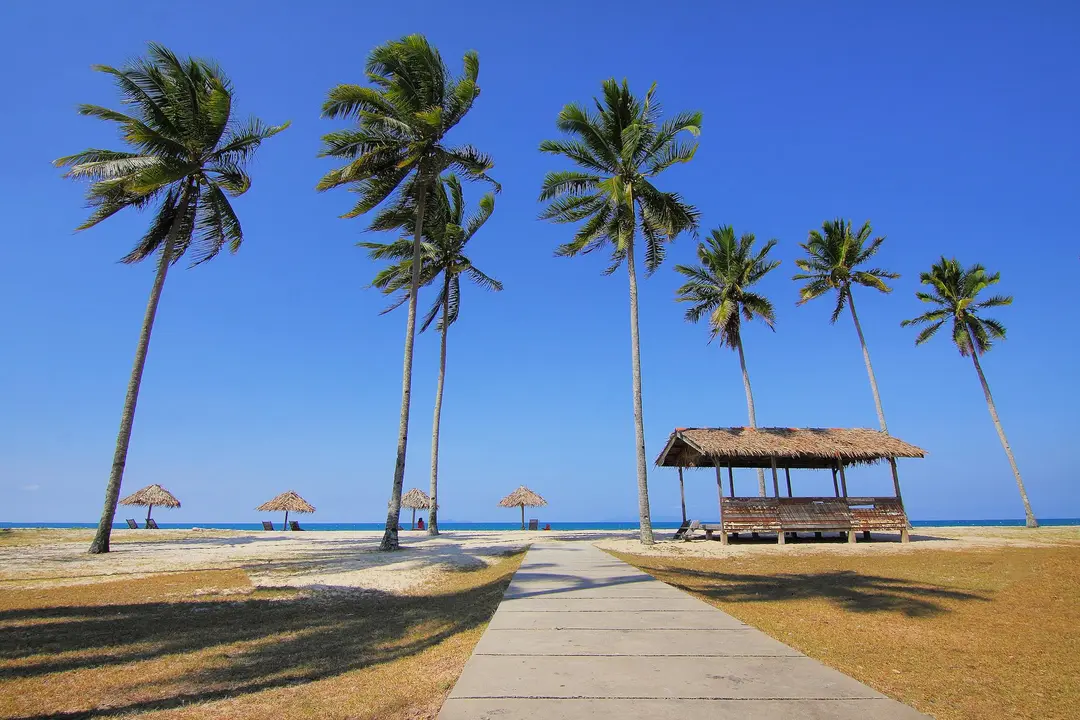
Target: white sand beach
350, 560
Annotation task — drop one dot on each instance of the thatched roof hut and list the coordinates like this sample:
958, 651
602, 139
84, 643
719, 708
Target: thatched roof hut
150, 496
522, 497
744, 447
787, 448
288, 501
416, 499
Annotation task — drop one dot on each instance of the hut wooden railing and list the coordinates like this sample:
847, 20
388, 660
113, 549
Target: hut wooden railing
782, 515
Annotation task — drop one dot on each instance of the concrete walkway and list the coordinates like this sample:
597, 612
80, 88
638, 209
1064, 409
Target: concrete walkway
580, 634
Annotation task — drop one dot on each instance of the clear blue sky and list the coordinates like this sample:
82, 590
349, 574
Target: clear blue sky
952, 126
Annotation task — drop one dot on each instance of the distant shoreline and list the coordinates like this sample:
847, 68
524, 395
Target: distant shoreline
555, 525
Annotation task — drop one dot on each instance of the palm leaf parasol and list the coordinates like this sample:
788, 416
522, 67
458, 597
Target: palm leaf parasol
415, 499
522, 497
150, 496
288, 502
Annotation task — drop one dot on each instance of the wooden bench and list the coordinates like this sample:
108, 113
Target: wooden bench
878, 514
746, 515
812, 514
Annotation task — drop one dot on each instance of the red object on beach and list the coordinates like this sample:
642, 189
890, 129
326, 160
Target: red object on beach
547, 526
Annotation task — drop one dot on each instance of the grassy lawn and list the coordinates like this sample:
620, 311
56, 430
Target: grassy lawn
959, 635
207, 644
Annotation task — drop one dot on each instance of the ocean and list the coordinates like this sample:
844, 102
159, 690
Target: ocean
504, 525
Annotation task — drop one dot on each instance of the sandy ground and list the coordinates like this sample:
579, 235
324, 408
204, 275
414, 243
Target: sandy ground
351, 560
922, 539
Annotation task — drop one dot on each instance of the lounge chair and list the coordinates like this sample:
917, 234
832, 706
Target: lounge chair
294, 526
132, 524
682, 530
534, 524
267, 525
151, 524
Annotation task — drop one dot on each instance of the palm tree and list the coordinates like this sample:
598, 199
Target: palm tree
833, 258
397, 149
620, 149
188, 157
955, 291
447, 232
720, 287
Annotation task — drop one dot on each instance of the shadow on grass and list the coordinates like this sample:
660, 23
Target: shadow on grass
852, 591
284, 641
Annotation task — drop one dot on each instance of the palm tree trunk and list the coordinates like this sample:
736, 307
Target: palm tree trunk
1030, 516
433, 523
869, 367
393, 512
100, 543
750, 410
639, 421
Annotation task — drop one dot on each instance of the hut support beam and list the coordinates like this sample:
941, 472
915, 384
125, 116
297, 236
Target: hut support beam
523, 516
720, 492
896, 480
413, 519
149, 509
835, 487
843, 478
775, 479
731, 480
286, 526
787, 476
682, 495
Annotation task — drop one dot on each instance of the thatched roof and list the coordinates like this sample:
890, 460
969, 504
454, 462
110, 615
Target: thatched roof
416, 499
791, 447
152, 495
523, 496
287, 501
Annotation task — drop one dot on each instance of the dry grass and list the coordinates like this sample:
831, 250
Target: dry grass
206, 644
959, 635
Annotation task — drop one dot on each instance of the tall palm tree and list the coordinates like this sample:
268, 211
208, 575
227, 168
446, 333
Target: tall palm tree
719, 286
188, 156
620, 149
447, 232
954, 291
832, 262
396, 150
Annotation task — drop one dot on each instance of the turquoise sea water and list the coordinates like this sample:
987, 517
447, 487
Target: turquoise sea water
509, 526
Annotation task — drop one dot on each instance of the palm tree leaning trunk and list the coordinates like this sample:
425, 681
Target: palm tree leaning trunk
393, 512
1028, 514
100, 543
750, 410
639, 419
433, 510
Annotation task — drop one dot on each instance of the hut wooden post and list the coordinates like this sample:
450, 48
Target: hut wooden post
787, 476
413, 519
835, 487
522, 516
149, 509
731, 480
896, 480
775, 479
720, 491
682, 495
286, 521
843, 478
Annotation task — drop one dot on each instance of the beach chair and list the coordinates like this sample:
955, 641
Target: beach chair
132, 524
295, 526
682, 530
267, 525
534, 524
151, 524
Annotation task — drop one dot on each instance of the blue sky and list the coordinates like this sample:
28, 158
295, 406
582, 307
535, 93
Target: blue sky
952, 126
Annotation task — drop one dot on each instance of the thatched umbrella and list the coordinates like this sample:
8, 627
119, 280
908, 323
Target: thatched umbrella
150, 496
417, 500
287, 501
522, 496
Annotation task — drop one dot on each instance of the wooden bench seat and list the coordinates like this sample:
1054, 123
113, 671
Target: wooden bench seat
809, 514
878, 514
814, 514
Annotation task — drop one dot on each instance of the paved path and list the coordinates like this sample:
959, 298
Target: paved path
580, 634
